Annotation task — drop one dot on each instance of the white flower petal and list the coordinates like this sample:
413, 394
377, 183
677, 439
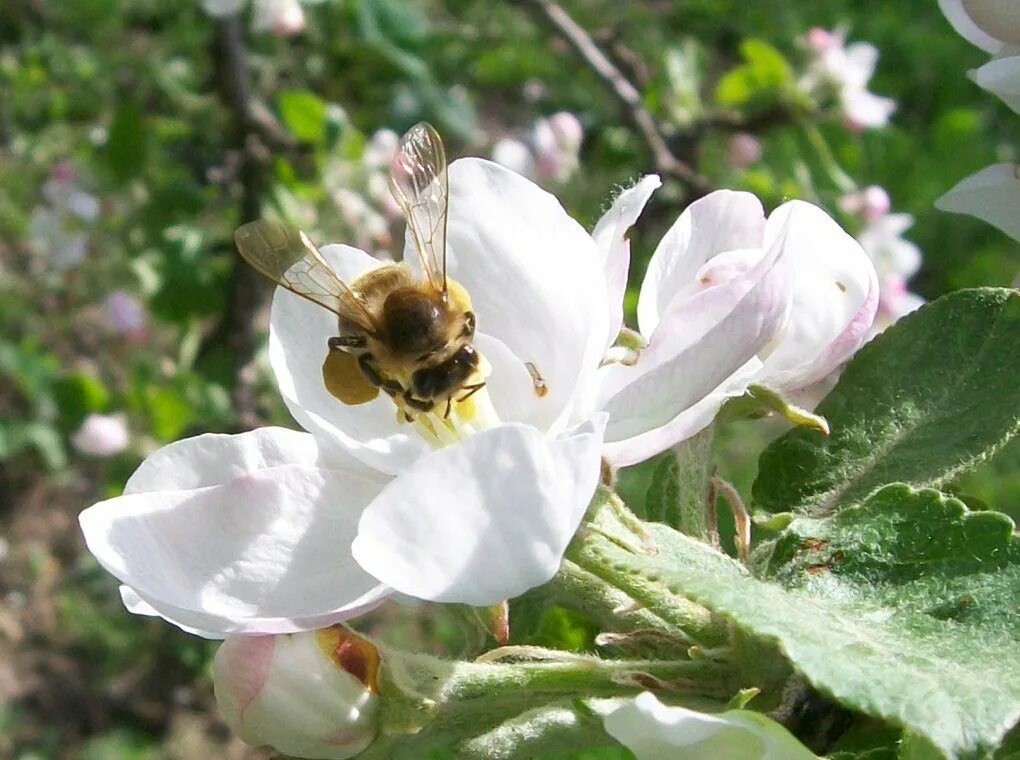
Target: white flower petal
610, 235
261, 553
483, 520
835, 295
212, 459
1002, 78
510, 386
701, 340
533, 273
654, 731
687, 424
965, 26
721, 221
298, 334
992, 195
281, 17
866, 110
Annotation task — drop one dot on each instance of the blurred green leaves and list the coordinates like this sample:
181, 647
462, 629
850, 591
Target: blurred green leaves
764, 78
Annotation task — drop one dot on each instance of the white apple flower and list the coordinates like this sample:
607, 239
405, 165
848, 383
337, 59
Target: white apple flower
557, 141
654, 731
284, 18
847, 69
822, 305
101, 435
275, 531
515, 156
310, 695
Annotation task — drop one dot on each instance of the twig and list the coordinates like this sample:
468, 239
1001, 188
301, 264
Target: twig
248, 293
621, 88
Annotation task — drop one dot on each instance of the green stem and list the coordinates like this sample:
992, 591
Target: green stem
817, 140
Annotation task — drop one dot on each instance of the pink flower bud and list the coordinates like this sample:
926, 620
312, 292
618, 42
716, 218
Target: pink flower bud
743, 150
284, 18
311, 695
101, 435
871, 203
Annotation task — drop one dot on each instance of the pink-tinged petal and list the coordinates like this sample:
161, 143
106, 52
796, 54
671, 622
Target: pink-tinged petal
610, 235
687, 424
962, 22
483, 520
992, 195
533, 274
299, 332
261, 553
214, 458
291, 693
1002, 78
701, 340
835, 296
865, 110
721, 221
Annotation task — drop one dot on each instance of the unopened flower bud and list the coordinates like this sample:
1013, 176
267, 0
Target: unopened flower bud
101, 435
743, 150
311, 695
284, 18
871, 203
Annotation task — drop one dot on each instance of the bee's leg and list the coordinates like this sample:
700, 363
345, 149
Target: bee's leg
471, 391
339, 343
392, 387
449, 404
417, 403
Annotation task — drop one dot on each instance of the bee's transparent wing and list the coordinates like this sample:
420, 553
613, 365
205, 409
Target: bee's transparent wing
287, 257
419, 183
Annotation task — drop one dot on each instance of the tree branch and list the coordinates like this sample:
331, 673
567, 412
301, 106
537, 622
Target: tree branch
248, 292
628, 96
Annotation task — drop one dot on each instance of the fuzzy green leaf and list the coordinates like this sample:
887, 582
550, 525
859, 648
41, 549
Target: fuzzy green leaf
932, 397
904, 608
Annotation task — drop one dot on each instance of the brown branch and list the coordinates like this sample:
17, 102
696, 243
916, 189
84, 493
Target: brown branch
628, 96
248, 292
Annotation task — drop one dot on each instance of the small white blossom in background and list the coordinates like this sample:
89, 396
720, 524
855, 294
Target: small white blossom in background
126, 315
552, 153
743, 150
992, 194
654, 731
846, 70
311, 695
896, 258
101, 435
59, 229
284, 18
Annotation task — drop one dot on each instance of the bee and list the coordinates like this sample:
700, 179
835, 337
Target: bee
408, 334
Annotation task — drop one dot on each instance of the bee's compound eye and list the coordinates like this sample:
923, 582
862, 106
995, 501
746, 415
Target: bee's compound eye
426, 382
465, 355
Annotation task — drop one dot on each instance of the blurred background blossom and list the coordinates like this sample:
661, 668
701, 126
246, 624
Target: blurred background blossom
135, 135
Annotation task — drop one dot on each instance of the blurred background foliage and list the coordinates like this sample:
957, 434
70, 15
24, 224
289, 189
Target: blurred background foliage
179, 127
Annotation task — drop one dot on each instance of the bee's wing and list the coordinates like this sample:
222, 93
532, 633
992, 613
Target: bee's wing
419, 183
287, 257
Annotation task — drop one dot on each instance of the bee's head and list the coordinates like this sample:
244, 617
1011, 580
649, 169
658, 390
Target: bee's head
448, 376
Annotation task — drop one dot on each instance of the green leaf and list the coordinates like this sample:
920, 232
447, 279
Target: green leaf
127, 145
906, 608
762, 78
305, 115
930, 398
77, 395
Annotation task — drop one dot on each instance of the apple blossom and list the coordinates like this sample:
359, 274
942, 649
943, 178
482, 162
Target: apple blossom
653, 731
896, 259
309, 695
514, 155
992, 195
557, 142
820, 296
101, 435
992, 26
275, 531
846, 69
